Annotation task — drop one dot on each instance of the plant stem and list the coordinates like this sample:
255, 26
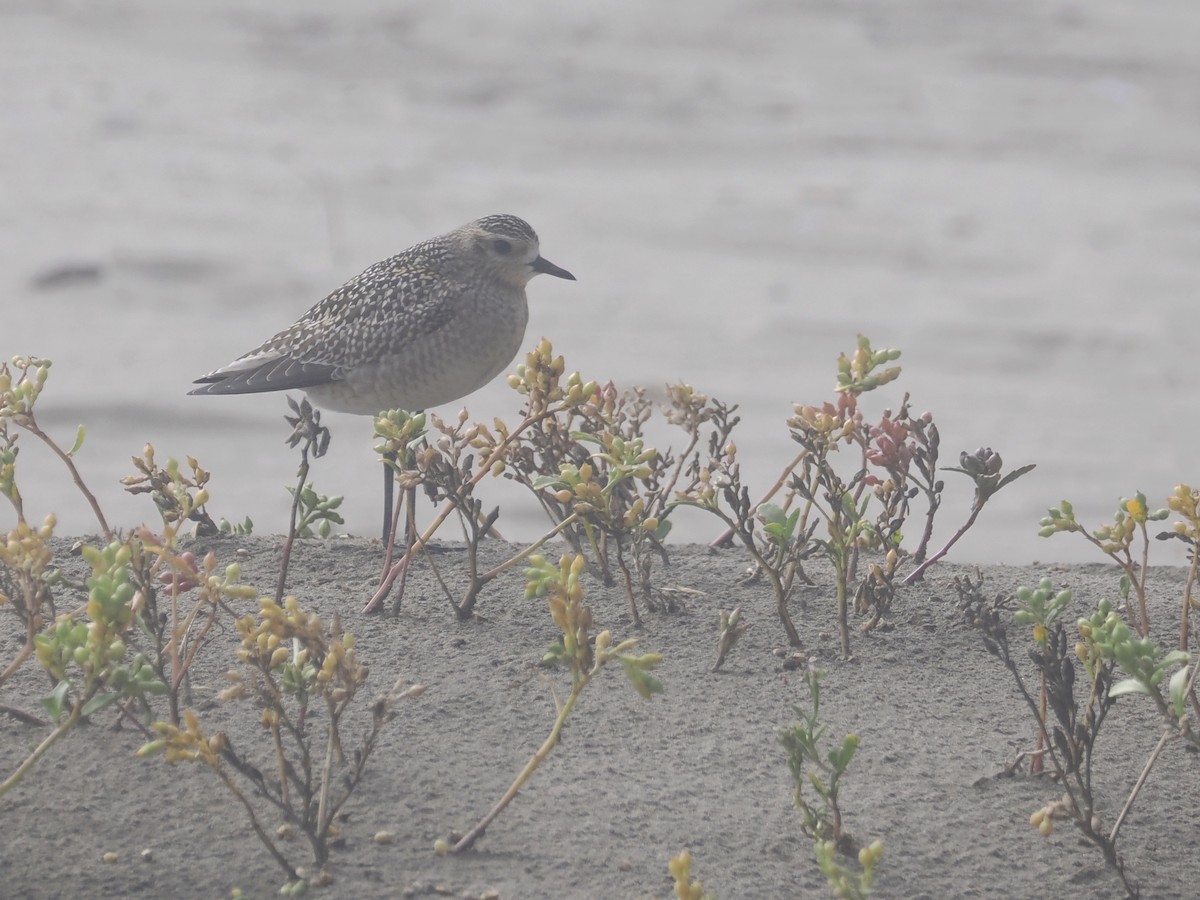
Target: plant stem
1035, 763
23, 654
1162, 742
637, 619
385, 585
1184, 624
534, 761
1141, 581
258, 829
32, 426
323, 814
291, 537
531, 549
40, 751
727, 535
842, 613
919, 572
173, 651
464, 610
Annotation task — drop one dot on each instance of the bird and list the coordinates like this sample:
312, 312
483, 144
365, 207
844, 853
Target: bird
425, 327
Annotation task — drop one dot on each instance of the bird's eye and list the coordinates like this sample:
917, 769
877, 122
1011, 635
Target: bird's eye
502, 246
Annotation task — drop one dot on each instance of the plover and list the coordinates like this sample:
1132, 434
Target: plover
422, 328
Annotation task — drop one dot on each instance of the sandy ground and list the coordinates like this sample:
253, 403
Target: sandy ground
1007, 192
633, 781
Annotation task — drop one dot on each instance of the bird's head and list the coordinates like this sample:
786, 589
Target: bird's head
508, 248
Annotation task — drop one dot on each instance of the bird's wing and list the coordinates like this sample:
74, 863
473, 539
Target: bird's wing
377, 313
256, 374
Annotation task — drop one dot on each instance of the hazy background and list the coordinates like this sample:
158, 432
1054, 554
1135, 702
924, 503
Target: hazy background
1008, 192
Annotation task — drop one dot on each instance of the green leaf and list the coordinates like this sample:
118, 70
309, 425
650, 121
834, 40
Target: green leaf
97, 703
78, 445
53, 702
818, 785
1014, 475
643, 682
1128, 686
154, 686
544, 481
1176, 685
555, 654
152, 748
840, 758
772, 514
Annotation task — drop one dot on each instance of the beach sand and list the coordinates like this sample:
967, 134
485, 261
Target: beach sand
633, 781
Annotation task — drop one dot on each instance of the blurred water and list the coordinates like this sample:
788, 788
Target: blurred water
1008, 193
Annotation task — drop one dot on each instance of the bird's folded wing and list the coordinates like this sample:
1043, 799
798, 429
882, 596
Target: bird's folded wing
378, 313
252, 376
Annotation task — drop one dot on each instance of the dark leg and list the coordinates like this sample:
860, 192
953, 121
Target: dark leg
389, 482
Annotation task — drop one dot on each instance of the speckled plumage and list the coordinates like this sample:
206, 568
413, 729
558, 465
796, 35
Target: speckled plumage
425, 327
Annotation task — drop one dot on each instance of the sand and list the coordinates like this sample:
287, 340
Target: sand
633, 781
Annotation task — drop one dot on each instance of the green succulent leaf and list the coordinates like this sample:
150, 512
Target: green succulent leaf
1015, 474
78, 445
1128, 686
840, 757
54, 701
1176, 688
637, 670
98, 703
